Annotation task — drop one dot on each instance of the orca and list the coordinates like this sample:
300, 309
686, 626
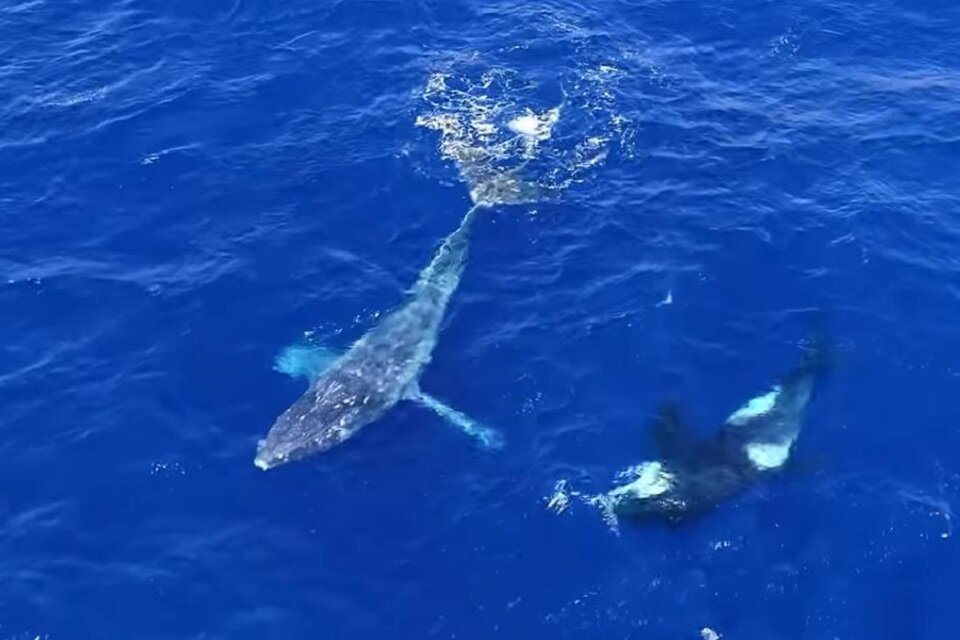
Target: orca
695, 474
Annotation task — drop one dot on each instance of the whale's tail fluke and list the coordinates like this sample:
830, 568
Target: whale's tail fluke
491, 184
492, 189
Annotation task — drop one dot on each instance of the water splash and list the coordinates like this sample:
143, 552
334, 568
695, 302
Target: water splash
563, 493
494, 122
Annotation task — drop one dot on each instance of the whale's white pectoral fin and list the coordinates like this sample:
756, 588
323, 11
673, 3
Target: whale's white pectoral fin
304, 361
490, 438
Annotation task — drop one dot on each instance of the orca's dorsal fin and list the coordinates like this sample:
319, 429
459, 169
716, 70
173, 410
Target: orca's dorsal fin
673, 439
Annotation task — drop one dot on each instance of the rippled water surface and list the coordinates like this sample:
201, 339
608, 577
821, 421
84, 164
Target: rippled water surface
188, 187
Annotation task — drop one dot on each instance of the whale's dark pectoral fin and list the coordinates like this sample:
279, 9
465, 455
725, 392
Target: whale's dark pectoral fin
489, 438
304, 361
672, 438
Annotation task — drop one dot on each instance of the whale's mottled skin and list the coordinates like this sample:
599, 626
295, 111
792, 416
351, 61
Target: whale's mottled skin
695, 475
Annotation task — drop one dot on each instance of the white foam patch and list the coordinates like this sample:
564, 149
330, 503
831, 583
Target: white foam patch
709, 634
768, 455
754, 408
651, 479
605, 504
534, 125
559, 501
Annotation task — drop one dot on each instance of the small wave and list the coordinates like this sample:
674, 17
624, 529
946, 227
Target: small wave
903, 494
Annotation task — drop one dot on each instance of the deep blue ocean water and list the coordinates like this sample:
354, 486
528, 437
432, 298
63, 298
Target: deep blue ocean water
187, 187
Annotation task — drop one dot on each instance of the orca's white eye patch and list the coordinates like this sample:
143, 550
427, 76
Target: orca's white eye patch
768, 455
754, 408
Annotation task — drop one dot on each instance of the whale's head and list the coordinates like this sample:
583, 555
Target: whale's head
279, 448
298, 433
332, 410
270, 455
295, 436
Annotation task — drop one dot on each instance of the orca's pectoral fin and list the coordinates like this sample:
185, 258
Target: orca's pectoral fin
304, 361
490, 438
673, 440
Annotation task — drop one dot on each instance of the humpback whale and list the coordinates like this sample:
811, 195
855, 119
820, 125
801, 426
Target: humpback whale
349, 391
694, 474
